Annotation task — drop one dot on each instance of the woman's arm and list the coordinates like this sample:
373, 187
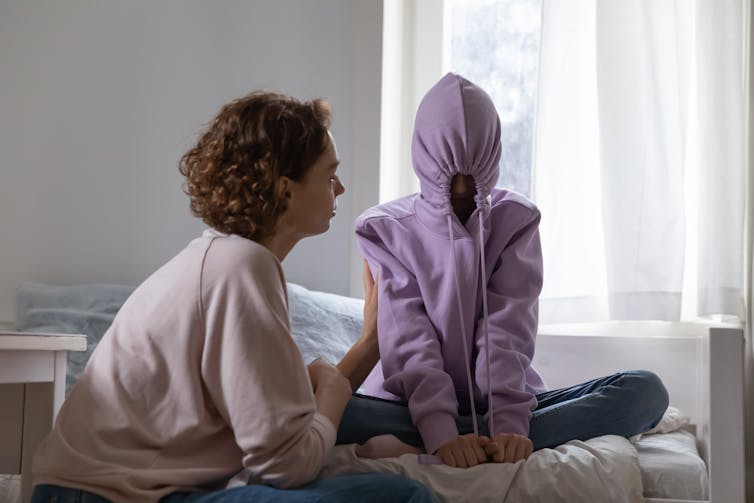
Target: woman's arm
254, 374
365, 353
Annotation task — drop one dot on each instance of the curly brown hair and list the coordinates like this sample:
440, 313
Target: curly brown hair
232, 171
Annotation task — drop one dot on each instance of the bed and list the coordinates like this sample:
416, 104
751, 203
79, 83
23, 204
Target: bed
701, 366
695, 454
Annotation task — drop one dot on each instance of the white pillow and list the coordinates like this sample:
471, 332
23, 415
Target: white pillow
323, 324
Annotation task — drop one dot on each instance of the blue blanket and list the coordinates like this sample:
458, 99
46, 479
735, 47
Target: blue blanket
322, 324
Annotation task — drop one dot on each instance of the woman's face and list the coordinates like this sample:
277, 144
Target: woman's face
312, 203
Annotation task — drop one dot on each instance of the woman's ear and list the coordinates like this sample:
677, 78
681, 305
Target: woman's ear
283, 187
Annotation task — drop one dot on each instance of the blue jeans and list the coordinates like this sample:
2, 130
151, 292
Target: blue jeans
365, 487
623, 404
46, 493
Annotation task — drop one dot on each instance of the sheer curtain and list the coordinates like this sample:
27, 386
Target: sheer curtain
639, 159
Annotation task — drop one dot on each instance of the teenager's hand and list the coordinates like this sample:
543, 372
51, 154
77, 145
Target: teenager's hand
508, 448
464, 451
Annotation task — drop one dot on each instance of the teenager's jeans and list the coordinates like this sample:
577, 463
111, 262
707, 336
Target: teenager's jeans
623, 404
365, 487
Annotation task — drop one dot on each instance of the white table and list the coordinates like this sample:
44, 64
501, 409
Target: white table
32, 389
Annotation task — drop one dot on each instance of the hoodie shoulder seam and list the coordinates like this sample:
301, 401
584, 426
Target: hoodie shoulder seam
532, 209
379, 219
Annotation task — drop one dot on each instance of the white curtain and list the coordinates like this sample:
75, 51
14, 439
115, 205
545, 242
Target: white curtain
639, 159
749, 260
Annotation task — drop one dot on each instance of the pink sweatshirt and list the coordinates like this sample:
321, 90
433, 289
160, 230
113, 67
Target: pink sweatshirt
197, 378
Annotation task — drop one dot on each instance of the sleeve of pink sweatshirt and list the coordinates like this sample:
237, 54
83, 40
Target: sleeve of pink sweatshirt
253, 370
410, 350
512, 293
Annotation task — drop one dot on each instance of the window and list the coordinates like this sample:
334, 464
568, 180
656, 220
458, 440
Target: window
495, 44
629, 125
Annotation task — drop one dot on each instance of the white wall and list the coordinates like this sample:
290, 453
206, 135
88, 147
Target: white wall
98, 101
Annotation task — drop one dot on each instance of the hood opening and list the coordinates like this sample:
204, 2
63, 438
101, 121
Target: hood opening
456, 131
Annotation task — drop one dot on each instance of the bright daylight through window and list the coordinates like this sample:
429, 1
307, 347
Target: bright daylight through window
495, 44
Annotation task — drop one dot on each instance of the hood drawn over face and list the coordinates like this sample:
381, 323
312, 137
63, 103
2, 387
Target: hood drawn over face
457, 130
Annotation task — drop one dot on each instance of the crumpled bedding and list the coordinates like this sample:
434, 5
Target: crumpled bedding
601, 469
69, 309
671, 466
322, 324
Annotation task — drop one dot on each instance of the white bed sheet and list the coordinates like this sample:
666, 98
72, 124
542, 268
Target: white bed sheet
601, 469
668, 463
669, 460
671, 467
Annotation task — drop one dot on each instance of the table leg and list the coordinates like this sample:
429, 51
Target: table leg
38, 414
58, 392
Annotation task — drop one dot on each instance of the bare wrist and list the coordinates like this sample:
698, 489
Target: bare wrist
336, 383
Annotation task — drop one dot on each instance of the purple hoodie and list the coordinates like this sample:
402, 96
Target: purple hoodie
434, 310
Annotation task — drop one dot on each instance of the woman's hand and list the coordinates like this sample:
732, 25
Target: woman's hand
370, 304
364, 354
508, 448
331, 390
323, 374
464, 451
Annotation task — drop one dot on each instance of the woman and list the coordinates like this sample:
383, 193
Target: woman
198, 376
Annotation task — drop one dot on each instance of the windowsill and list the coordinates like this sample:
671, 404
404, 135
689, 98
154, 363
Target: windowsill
641, 328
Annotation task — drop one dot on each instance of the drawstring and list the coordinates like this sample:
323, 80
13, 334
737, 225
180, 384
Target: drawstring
463, 327
490, 420
429, 459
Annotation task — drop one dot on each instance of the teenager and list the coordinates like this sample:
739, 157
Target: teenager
460, 272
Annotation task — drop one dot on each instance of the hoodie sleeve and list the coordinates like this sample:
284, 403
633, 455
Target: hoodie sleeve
253, 371
410, 351
513, 301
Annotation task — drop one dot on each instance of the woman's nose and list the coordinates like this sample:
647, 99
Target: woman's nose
339, 189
